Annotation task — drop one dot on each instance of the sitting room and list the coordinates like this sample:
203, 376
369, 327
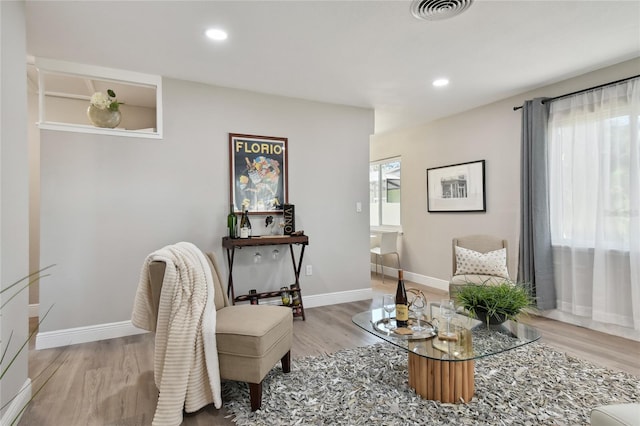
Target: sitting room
473, 144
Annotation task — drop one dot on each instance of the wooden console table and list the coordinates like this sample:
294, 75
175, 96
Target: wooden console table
230, 244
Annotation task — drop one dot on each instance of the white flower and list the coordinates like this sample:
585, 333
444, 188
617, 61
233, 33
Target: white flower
100, 100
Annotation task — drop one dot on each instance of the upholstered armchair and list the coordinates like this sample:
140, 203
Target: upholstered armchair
478, 259
250, 339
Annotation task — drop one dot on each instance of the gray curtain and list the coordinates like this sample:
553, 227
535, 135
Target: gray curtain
535, 265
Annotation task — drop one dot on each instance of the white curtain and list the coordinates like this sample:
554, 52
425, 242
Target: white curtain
594, 186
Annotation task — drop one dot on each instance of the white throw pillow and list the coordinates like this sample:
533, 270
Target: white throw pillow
476, 263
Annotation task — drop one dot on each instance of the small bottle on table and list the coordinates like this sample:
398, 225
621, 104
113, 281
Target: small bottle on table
402, 306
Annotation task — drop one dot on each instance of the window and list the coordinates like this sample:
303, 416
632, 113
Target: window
594, 203
384, 192
593, 157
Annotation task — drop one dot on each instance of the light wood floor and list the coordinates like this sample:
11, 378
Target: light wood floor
111, 382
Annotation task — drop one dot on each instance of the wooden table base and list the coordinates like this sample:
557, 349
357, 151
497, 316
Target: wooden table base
441, 380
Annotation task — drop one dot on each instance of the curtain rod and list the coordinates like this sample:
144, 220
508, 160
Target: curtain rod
583, 90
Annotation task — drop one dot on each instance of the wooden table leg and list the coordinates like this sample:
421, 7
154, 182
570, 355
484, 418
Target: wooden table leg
231, 294
446, 381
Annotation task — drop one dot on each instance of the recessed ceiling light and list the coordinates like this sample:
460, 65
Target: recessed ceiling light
440, 82
216, 34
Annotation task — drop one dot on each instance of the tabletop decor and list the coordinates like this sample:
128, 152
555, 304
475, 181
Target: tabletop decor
456, 188
495, 303
104, 110
258, 173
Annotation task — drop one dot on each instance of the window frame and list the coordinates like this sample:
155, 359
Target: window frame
381, 226
556, 160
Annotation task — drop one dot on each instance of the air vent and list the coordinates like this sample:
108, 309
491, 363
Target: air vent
434, 10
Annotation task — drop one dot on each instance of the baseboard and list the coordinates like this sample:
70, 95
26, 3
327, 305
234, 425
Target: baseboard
335, 298
15, 408
93, 333
436, 283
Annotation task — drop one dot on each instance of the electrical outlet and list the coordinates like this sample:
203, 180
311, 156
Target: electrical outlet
309, 270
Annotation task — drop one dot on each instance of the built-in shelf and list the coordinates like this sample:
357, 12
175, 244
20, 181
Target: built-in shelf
65, 89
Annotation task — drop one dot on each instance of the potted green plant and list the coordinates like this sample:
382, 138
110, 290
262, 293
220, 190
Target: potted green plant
495, 303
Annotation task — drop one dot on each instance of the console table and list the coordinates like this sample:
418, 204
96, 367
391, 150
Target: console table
230, 244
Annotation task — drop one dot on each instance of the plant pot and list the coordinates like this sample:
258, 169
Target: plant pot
103, 117
496, 319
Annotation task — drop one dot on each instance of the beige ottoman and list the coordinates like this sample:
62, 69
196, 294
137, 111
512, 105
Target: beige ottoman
616, 415
251, 340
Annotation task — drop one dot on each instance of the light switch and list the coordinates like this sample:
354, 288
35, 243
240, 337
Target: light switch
358, 207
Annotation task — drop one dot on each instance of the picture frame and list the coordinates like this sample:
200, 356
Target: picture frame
457, 188
258, 173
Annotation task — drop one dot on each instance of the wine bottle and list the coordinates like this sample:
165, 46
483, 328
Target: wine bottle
402, 307
232, 222
248, 222
244, 230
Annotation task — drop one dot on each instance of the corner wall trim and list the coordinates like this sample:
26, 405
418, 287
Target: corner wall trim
14, 411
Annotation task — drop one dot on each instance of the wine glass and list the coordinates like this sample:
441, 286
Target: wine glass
447, 311
417, 306
389, 304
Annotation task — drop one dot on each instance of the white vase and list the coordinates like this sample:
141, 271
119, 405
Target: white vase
103, 117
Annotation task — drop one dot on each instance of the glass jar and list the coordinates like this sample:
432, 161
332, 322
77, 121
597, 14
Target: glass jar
284, 294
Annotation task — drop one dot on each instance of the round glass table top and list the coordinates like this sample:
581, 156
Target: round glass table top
462, 339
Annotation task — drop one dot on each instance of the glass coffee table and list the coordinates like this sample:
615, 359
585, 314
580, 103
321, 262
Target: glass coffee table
441, 368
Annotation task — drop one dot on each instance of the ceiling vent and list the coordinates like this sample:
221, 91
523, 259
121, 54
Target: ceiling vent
434, 10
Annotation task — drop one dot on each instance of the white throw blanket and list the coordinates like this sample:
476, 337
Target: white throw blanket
186, 366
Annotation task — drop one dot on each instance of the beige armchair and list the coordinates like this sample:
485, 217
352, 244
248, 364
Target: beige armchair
478, 259
250, 339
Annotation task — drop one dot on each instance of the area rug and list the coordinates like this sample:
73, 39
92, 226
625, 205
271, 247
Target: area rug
532, 385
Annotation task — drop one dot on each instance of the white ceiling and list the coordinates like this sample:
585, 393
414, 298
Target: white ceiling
363, 53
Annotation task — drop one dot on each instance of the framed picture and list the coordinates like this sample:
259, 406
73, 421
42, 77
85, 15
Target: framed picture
258, 173
456, 188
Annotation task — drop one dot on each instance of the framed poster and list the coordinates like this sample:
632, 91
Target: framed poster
258, 173
456, 188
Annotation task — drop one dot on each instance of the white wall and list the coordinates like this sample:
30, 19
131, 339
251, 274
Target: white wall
108, 201
61, 110
490, 133
13, 198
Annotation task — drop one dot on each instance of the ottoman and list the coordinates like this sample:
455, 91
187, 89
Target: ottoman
251, 340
